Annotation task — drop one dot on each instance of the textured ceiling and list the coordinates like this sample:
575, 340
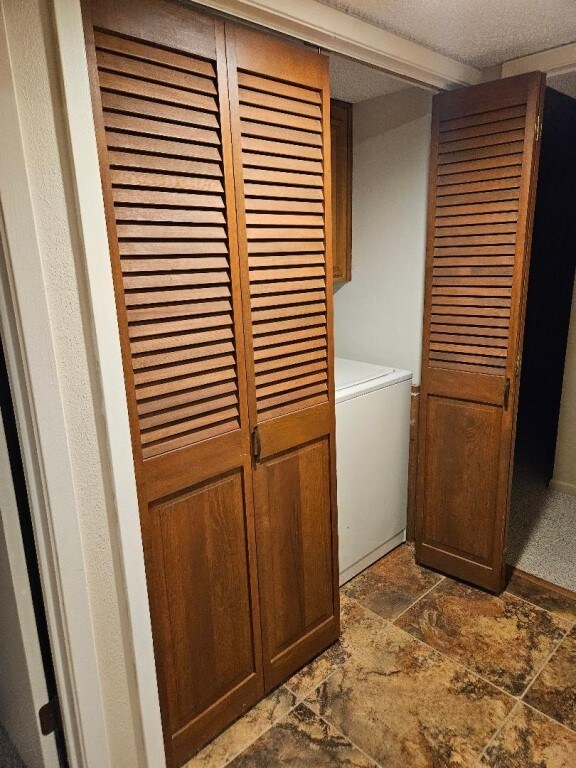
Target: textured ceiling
565, 83
478, 32
352, 81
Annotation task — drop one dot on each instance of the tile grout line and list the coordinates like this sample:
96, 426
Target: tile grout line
458, 664
344, 736
387, 623
369, 610
352, 652
517, 697
422, 596
548, 717
492, 739
272, 724
517, 707
515, 700
302, 699
541, 669
571, 622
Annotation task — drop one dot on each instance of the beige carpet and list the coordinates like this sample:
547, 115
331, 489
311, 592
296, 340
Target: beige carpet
542, 533
9, 757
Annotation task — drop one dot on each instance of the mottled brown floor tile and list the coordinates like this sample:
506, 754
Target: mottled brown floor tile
358, 626
554, 690
530, 740
542, 596
302, 740
503, 639
405, 705
245, 730
392, 584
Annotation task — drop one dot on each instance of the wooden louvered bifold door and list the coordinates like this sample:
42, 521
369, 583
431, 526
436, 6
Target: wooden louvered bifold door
280, 123
484, 157
162, 117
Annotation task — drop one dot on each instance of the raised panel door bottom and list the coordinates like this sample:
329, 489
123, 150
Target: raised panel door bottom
461, 477
208, 643
295, 545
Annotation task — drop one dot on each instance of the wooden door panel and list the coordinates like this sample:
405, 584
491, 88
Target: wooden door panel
483, 167
461, 528
293, 506
203, 543
281, 137
161, 109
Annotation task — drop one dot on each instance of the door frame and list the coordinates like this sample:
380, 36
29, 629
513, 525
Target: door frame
31, 361
35, 689
31, 365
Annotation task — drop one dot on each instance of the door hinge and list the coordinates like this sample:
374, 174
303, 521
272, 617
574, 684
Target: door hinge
256, 446
50, 717
538, 133
506, 394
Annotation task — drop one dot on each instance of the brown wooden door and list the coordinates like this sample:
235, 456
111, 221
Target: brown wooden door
483, 169
161, 108
281, 134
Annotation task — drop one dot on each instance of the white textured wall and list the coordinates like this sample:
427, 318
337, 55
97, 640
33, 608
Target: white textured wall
565, 465
33, 55
378, 315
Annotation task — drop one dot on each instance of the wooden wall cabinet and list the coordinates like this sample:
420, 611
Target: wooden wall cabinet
341, 138
211, 142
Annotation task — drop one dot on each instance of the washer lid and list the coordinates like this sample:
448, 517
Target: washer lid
353, 378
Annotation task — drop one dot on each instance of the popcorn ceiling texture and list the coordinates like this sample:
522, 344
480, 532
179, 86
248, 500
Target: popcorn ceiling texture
477, 32
352, 81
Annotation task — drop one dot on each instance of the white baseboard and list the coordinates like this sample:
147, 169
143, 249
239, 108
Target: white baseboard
562, 487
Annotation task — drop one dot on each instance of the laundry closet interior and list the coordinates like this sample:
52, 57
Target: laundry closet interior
310, 290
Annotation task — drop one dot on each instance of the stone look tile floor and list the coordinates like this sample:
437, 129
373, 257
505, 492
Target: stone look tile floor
428, 673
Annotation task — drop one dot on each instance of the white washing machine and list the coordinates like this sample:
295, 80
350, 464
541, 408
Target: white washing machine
372, 441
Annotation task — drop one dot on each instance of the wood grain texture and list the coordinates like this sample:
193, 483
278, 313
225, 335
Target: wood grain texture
484, 159
413, 464
341, 155
161, 110
281, 135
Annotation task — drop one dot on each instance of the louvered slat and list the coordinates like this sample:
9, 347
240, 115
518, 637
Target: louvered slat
281, 138
478, 178
160, 113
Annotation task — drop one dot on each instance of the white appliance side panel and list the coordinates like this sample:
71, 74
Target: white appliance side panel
372, 442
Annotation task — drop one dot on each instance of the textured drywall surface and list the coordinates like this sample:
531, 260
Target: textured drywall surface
565, 464
565, 83
353, 81
33, 55
477, 32
378, 315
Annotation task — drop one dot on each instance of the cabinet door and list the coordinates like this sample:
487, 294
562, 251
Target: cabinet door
161, 109
484, 159
341, 153
281, 134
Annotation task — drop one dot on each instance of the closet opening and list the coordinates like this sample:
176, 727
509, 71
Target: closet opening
542, 514
380, 146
